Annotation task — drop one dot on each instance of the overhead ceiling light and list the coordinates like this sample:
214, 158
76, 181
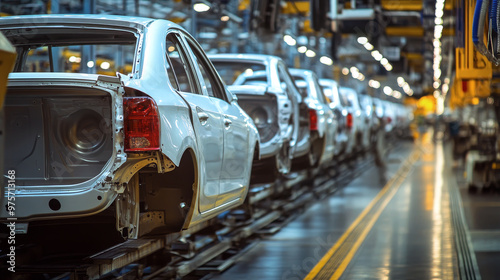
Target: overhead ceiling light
368, 46
354, 69
310, 53
90, 64
289, 40
374, 84
387, 90
401, 81
224, 18
397, 94
436, 93
445, 87
345, 71
302, 49
361, 77
201, 7
362, 40
326, 60
388, 67
384, 61
377, 55
105, 65
406, 87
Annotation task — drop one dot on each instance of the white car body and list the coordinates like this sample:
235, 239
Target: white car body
206, 143
271, 75
331, 91
326, 121
367, 108
359, 127
390, 116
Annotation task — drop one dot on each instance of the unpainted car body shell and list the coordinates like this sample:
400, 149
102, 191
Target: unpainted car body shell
176, 117
356, 135
326, 123
271, 147
299, 145
331, 90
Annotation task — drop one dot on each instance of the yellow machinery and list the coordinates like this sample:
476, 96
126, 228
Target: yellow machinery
473, 70
473, 85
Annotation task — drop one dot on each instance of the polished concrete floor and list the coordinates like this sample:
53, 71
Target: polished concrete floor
405, 233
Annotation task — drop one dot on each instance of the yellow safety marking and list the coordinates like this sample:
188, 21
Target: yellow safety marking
387, 192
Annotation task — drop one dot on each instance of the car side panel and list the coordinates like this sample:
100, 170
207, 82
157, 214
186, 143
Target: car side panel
238, 153
208, 126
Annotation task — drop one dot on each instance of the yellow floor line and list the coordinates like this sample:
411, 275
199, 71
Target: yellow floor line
395, 179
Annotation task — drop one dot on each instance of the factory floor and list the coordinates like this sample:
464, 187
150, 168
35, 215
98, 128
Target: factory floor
415, 218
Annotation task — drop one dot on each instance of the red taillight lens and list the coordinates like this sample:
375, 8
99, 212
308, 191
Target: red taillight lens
141, 124
349, 121
313, 120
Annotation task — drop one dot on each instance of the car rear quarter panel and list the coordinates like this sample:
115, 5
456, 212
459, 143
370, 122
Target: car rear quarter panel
177, 133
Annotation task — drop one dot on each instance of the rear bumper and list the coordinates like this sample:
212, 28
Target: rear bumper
34, 203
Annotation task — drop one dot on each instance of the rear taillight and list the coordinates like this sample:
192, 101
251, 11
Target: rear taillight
141, 124
313, 120
349, 121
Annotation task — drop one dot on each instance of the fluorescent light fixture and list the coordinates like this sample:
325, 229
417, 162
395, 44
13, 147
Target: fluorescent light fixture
201, 7
445, 88
362, 40
289, 40
326, 60
374, 84
377, 55
401, 81
387, 90
310, 53
302, 49
105, 65
406, 87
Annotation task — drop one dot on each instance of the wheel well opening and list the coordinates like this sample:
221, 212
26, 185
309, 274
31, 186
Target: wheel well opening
167, 197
